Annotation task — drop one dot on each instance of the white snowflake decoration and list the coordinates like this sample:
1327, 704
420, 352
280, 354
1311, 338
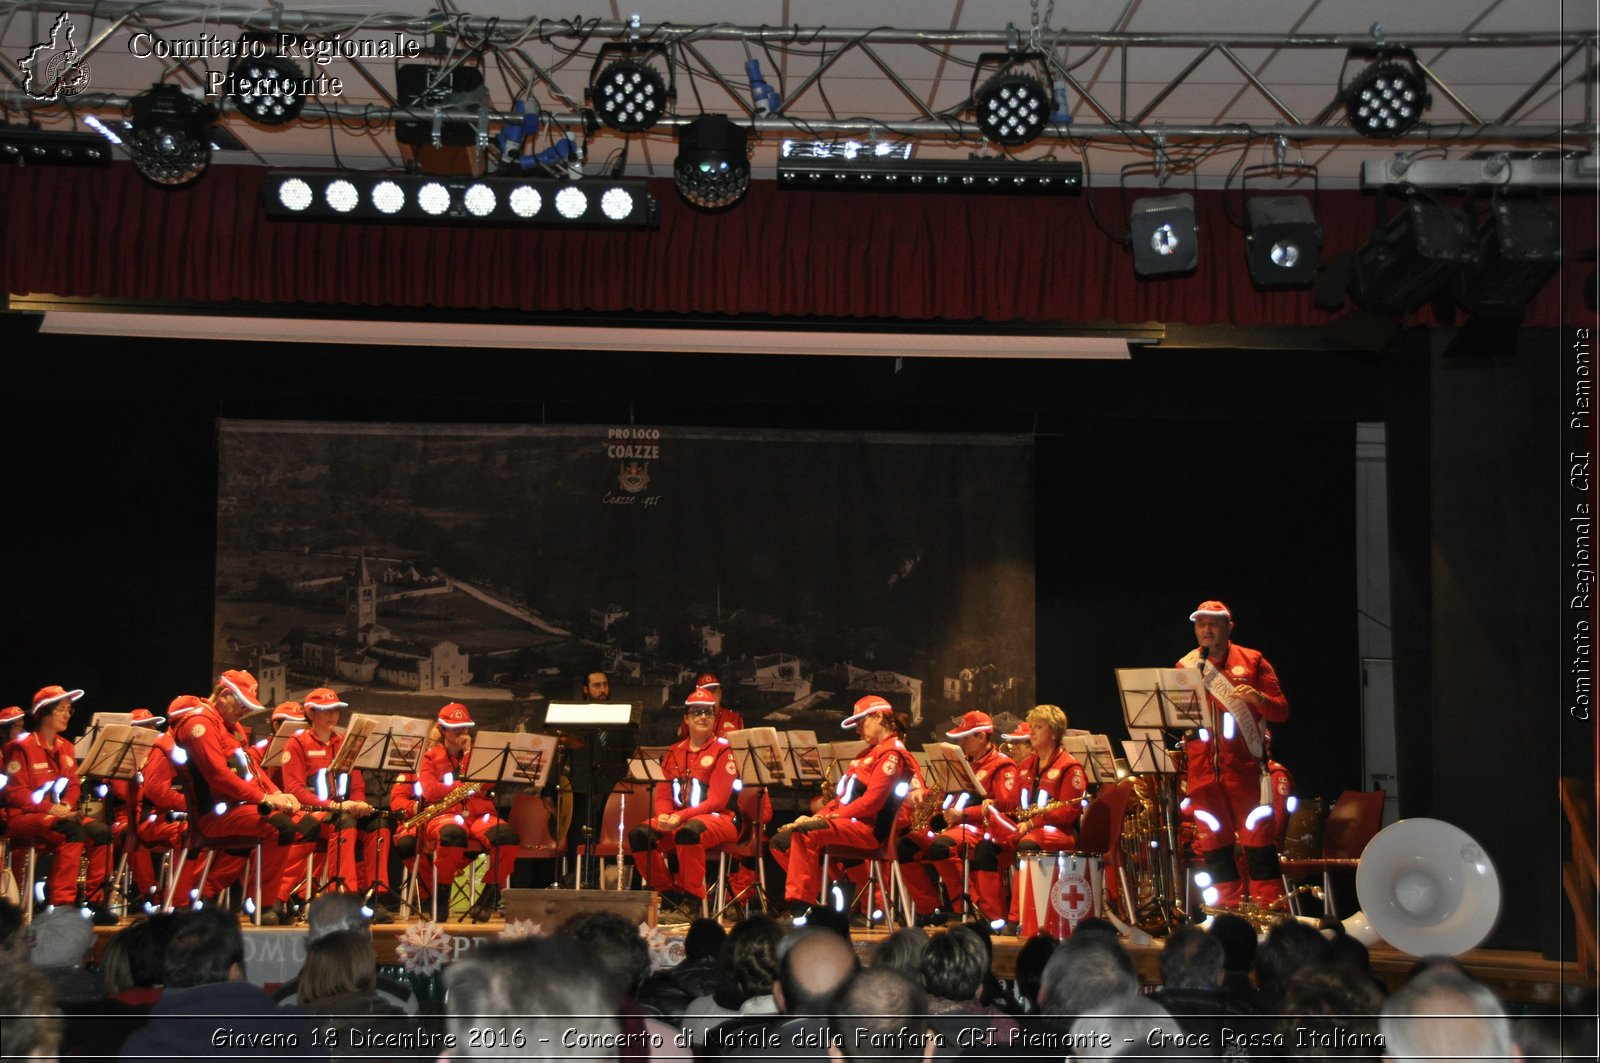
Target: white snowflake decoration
424, 948
517, 929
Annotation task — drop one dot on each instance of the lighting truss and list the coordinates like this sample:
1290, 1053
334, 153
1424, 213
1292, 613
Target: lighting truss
969, 176
325, 195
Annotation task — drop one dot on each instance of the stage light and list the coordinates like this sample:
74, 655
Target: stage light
170, 142
1387, 98
629, 95
1519, 249
808, 170
1411, 257
1012, 108
21, 146
514, 201
1164, 235
712, 169
264, 84
1282, 239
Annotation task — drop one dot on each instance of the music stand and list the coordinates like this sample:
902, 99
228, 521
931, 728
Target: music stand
764, 758
645, 768
1155, 701
117, 754
100, 720
1095, 754
946, 767
597, 718
804, 757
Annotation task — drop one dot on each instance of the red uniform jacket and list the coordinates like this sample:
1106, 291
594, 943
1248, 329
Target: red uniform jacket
33, 771
435, 770
164, 781
223, 767
699, 781
866, 791
1062, 779
305, 763
1247, 667
403, 796
999, 776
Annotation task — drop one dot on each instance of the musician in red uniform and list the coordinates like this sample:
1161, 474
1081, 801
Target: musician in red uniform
862, 814
287, 712
445, 837
231, 794
1231, 788
694, 807
943, 850
727, 719
11, 720
165, 807
338, 800
41, 795
1048, 779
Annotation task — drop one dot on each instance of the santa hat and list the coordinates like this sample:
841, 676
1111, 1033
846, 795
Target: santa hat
871, 705
972, 723
1212, 608
243, 685
142, 717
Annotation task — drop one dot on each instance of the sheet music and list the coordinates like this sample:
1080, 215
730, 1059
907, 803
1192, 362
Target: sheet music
758, 752
515, 757
286, 729
395, 744
645, 764
356, 736
1145, 758
804, 757
119, 751
947, 768
1095, 754
1162, 697
80, 748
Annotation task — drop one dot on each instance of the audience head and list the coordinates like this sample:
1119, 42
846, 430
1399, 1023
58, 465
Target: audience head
749, 961
1031, 960
811, 968
116, 965
704, 940
613, 944
147, 948
62, 937
338, 964
1441, 1015
1191, 959
826, 917
1290, 945
1238, 940
32, 1018
1085, 974
333, 912
903, 950
955, 964
206, 946
16, 941
498, 983
1330, 1009
879, 1016
1135, 1025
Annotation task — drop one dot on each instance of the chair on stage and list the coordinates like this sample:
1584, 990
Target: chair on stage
627, 807
1100, 833
1355, 819
886, 855
750, 845
197, 843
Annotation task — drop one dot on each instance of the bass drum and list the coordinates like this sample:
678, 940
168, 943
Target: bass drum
1055, 892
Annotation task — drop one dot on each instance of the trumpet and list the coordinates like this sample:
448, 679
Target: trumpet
454, 797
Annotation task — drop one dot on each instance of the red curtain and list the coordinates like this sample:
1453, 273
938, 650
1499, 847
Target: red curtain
955, 258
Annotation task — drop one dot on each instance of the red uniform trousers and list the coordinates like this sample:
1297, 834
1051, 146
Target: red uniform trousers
714, 828
61, 886
943, 854
157, 833
1230, 800
244, 821
803, 862
986, 884
445, 849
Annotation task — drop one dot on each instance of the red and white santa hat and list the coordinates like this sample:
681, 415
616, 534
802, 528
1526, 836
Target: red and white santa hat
971, 724
10, 715
699, 699
47, 698
243, 685
1020, 734
1211, 608
322, 699
706, 680
144, 718
871, 705
183, 705
455, 715
288, 710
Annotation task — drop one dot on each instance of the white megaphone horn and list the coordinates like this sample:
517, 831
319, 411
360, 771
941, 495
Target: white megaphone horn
1426, 888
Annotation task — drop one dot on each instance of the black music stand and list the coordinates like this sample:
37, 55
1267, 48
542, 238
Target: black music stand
1156, 701
596, 719
948, 769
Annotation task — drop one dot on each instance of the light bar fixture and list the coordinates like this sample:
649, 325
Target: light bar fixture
326, 195
20, 146
970, 177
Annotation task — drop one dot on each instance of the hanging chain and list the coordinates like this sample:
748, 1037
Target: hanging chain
1036, 28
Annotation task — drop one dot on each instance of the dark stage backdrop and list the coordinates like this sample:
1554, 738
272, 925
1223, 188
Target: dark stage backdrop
495, 564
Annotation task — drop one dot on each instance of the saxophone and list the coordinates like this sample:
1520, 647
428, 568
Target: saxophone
932, 804
454, 797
